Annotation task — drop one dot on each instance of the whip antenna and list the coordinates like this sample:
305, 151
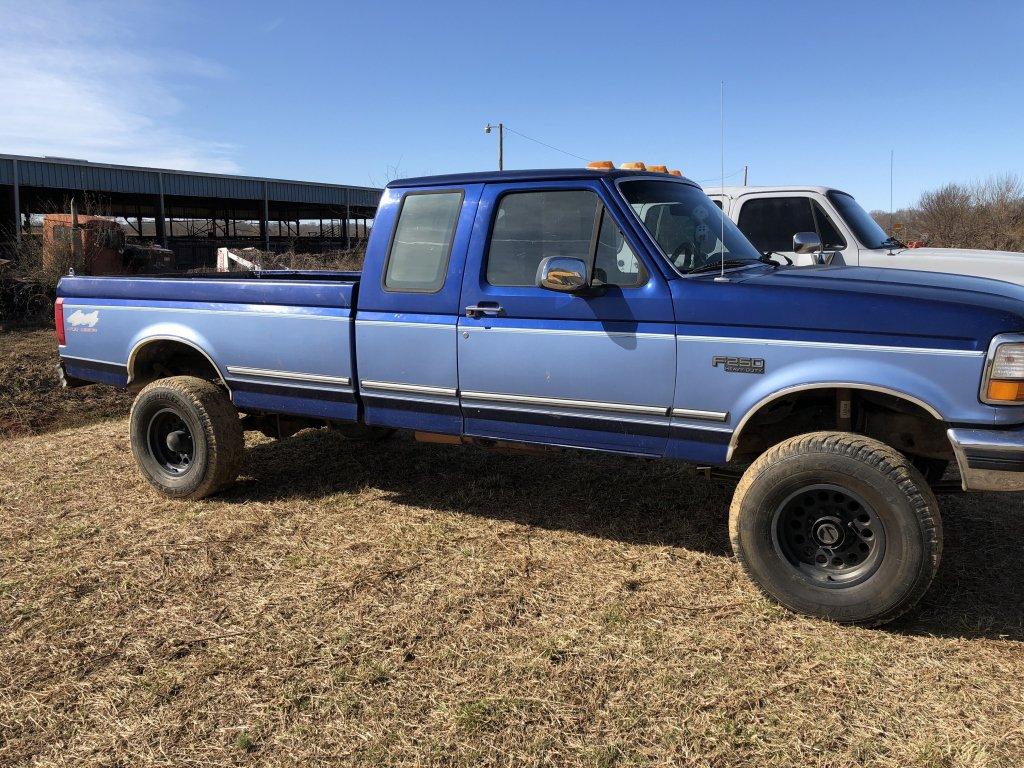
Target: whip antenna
721, 243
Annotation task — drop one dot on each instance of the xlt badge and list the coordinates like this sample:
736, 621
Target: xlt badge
739, 364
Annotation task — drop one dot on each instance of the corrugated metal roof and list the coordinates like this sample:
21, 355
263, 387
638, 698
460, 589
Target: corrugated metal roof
67, 173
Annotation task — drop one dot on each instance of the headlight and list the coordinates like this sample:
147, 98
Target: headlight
1004, 374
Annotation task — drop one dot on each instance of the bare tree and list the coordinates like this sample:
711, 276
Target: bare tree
987, 214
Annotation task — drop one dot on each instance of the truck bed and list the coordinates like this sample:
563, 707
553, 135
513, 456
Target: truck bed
281, 341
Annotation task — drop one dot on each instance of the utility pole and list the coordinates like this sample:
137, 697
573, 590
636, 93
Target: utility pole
501, 143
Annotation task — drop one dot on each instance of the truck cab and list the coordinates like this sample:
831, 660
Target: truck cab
771, 216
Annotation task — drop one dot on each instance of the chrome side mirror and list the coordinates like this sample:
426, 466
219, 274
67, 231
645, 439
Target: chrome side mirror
806, 242
562, 273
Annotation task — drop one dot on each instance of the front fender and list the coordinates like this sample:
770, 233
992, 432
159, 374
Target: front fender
942, 381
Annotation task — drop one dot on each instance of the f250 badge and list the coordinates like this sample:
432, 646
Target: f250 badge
85, 322
738, 364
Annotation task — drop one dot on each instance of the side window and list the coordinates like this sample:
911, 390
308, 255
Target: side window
422, 242
615, 263
718, 203
831, 240
770, 222
530, 226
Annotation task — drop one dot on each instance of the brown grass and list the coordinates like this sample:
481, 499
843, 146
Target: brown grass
403, 604
31, 399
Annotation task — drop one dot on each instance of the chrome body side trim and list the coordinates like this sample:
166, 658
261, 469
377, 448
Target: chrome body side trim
689, 413
404, 324
989, 459
419, 389
835, 345
821, 385
570, 332
238, 370
62, 356
653, 410
619, 418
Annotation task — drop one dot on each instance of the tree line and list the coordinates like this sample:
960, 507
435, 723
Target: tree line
986, 214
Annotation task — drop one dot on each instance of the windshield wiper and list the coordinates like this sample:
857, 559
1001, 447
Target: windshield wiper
766, 258
717, 264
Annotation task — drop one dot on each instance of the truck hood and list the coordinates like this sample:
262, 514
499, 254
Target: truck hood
961, 253
862, 305
997, 265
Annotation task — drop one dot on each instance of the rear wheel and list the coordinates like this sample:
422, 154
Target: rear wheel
839, 526
186, 437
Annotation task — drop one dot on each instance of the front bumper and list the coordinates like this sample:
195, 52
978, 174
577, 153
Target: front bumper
989, 459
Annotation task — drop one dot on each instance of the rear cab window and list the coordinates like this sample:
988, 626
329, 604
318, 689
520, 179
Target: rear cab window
421, 243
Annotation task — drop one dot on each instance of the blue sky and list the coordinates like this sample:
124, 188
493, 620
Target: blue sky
816, 92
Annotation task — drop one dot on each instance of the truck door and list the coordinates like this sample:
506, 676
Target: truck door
409, 306
594, 369
771, 220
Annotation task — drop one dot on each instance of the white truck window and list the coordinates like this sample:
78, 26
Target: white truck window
771, 222
831, 240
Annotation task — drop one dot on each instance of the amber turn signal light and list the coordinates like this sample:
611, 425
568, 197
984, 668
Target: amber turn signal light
1006, 390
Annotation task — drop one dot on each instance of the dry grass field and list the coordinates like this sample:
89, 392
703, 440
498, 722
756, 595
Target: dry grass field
407, 604
31, 399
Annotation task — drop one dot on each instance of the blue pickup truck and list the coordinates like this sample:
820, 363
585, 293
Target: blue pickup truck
609, 310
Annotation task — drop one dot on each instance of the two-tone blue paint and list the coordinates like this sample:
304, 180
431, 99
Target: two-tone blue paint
626, 370
293, 358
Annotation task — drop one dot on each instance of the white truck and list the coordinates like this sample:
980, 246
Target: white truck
770, 217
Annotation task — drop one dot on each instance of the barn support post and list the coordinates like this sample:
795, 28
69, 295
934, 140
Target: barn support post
17, 206
348, 215
161, 214
264, 228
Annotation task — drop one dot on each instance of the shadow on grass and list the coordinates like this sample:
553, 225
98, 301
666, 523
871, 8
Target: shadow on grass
975, 594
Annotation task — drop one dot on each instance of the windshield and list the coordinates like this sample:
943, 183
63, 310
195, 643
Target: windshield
864, 227
686, 224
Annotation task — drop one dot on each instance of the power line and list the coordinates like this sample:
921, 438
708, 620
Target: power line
545, 144
719, 178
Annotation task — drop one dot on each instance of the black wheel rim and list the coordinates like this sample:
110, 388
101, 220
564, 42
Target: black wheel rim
829, 535
170, 442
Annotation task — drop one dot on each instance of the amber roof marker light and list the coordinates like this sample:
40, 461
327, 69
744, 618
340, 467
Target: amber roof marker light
637, 166
601, 165
657, 168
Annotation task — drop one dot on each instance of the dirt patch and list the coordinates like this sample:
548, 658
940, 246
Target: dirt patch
403, 604
31, 399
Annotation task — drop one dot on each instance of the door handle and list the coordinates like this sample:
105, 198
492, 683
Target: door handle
480, 310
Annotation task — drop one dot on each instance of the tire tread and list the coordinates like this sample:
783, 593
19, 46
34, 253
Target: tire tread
219, 418
884, 459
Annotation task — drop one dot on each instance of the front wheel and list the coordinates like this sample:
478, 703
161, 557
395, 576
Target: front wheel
186, 437
839, 526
